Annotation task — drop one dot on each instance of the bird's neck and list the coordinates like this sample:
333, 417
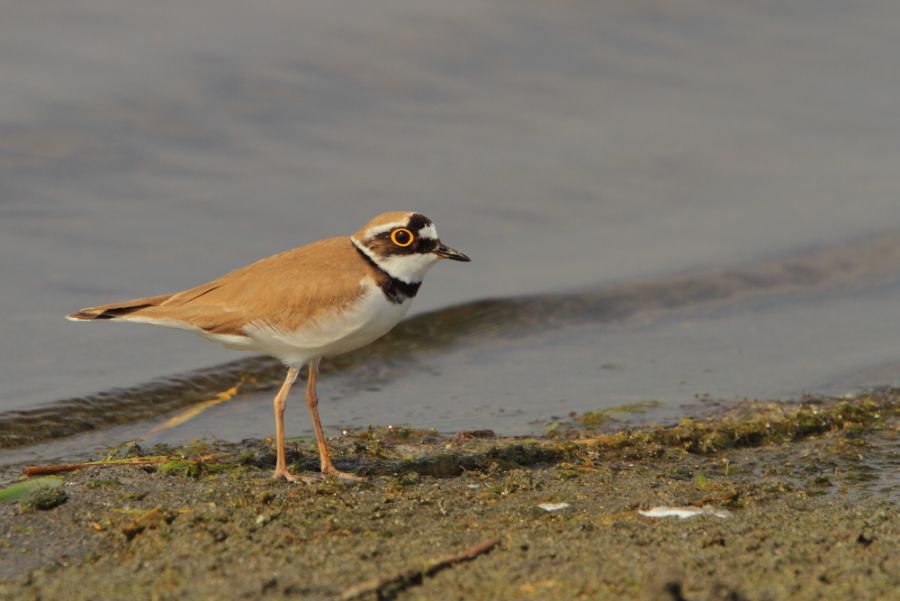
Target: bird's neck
395, 286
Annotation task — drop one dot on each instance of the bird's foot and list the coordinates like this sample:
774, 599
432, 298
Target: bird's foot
283, 473
330, 470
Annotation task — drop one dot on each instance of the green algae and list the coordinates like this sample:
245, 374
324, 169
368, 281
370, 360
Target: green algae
21, 490
187, 469
752, 424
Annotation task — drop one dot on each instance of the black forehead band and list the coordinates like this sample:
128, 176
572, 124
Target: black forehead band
417, 222
422, 245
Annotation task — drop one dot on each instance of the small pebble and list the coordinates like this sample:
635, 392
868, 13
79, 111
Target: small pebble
682, 512
264, 518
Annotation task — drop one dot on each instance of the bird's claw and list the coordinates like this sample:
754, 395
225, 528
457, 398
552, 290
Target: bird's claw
333, 471
283, 473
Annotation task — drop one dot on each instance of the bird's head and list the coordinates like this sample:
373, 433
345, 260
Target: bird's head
404, 245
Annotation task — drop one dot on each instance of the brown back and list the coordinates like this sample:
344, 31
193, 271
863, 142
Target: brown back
285, 290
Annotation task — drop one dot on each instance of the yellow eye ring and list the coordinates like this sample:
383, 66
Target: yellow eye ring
402, 237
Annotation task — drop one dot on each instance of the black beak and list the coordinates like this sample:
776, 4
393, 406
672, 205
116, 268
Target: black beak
445, 252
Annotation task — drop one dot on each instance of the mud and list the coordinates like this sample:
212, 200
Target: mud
808, 491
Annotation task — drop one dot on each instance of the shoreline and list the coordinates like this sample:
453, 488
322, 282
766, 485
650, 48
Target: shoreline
800, 503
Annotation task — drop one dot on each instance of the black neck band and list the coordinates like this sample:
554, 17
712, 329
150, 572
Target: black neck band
394, 289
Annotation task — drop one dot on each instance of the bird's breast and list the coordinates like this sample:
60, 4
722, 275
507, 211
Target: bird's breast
333, 331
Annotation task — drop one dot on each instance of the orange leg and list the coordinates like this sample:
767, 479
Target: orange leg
312, 401
280, 400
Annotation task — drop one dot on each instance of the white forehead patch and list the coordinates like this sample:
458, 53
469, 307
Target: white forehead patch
428, 232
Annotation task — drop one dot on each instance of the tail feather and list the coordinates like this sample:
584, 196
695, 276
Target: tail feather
114, 310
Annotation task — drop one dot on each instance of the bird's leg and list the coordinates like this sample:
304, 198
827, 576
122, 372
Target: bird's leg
312, 401
279, 403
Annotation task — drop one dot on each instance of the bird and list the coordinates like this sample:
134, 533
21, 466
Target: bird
302, 305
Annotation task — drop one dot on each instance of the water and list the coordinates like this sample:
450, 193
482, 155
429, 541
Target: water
587, 148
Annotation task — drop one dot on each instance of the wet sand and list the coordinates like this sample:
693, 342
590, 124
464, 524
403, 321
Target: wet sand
808, 492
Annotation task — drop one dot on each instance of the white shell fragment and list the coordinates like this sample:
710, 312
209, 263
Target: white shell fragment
683, 512
553, 506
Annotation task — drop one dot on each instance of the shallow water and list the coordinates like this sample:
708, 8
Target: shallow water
607, 147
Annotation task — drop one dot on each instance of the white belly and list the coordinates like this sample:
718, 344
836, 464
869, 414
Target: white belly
371, 317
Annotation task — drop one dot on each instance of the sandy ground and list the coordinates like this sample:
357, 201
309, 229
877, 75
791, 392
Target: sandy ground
805, 495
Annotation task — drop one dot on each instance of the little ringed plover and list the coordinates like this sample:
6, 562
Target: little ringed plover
315, 301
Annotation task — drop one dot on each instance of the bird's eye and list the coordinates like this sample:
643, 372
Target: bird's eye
402, 237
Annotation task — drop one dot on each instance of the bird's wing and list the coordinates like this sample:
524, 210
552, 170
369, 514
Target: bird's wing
284, 291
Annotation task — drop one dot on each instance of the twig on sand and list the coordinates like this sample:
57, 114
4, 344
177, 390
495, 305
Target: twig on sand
46, 470
388, 586
189, 413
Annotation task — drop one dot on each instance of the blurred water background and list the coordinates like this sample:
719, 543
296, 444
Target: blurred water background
675, 199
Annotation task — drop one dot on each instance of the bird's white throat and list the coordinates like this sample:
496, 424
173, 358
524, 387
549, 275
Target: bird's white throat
410, 269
